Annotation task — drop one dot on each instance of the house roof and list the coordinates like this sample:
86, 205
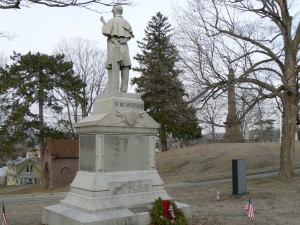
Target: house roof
27, 160
62, 148
18, 161
22, 162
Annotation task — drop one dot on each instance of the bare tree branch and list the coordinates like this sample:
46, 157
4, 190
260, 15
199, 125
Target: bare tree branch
259, 39
7, 35
17, 4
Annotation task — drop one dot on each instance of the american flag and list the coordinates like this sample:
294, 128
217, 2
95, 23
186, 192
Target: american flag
249, 209
4, 219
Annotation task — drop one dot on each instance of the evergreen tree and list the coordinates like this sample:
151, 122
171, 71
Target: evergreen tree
31, 84
162, 91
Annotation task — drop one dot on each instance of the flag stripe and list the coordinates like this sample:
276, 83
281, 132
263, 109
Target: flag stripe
4, 219
249, 210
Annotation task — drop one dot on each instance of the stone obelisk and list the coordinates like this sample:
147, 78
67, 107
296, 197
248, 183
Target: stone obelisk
232, 124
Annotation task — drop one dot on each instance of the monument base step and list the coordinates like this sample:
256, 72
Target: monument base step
63, 215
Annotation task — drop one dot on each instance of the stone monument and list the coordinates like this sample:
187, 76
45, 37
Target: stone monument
232, 124
117, 180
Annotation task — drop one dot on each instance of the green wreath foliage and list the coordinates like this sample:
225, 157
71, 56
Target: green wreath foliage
158, 218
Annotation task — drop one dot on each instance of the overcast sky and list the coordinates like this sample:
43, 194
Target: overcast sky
40, 28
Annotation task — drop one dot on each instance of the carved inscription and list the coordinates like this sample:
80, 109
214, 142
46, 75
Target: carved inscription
126, 153
130, 187
125, 221
133, 105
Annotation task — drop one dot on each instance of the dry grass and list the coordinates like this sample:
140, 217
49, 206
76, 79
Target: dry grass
275, 201
211, 161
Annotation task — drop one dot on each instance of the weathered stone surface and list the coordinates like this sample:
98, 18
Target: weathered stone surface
59, 214
117, 176
232, 124
118, 113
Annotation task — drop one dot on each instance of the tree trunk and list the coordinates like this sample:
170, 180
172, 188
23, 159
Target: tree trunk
289, 120
213, 133
288, 141
163, 139
290, 94
163, 143
42, 135
41, 118
41, 128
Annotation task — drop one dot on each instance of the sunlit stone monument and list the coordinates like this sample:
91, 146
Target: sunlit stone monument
117, 180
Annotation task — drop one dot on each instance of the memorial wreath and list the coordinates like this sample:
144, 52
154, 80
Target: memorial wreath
166, 212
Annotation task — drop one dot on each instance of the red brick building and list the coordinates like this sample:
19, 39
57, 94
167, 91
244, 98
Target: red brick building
59, 162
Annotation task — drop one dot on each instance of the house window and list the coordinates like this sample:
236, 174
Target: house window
29, 169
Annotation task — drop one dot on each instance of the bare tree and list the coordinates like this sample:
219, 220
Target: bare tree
7, 35
212, 115
260, 40
266, 110
18, 4
89, 64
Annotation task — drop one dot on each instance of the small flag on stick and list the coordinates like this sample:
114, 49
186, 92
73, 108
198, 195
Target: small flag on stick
249, 209
4, 219
218, 195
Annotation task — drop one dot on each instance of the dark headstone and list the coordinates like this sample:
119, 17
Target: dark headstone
239, 179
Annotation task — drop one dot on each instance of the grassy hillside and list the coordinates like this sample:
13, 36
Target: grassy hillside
199, 162
210, 161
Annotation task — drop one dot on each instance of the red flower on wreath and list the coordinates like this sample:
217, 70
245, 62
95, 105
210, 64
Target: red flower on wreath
166, 211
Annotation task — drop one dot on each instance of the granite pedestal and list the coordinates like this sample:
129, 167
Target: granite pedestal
117, 180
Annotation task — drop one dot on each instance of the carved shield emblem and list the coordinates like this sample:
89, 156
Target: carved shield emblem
131, 118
